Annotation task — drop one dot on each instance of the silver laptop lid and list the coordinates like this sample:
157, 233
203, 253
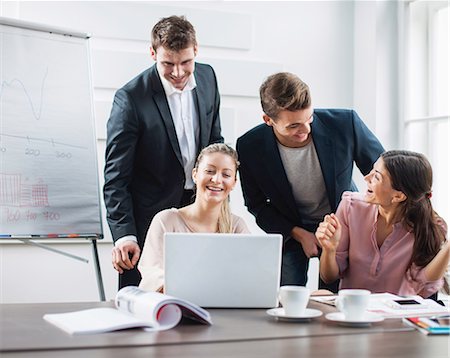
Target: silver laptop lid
223, 270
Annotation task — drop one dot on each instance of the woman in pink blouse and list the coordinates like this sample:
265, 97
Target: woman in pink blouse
388, 239
215, 175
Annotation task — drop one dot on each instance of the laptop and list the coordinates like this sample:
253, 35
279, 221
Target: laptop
223, 270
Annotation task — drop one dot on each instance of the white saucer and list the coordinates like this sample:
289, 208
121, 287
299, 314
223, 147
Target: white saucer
366, 320
309, 313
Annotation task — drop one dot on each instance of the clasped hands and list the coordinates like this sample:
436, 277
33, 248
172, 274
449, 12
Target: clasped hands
329, 232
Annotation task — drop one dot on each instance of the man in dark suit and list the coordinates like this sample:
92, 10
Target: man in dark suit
159, 122
295, 167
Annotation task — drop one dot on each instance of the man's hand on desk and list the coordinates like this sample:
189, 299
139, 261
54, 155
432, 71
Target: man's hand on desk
121, 255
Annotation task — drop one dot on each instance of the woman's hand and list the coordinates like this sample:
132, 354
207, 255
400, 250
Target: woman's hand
329, 233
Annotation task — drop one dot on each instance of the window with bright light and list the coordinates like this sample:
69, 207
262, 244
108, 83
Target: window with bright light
427, 117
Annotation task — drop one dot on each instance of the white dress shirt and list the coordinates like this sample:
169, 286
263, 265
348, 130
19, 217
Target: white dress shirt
185, 119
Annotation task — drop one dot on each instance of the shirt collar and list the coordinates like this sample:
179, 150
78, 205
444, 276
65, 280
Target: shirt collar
169, 89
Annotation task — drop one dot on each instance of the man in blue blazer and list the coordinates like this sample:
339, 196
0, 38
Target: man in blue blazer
295, 167
159, 122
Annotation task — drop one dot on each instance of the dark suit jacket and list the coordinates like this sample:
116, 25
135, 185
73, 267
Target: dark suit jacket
340, 138
143, 167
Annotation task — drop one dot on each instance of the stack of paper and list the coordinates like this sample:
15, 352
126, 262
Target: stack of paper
383, 305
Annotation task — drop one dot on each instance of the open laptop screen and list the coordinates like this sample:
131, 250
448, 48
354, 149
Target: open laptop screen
223, 270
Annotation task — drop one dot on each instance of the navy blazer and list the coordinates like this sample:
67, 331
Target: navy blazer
340, 138
143, 165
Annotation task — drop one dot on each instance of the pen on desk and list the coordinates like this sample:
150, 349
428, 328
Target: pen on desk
418, 322
428, 322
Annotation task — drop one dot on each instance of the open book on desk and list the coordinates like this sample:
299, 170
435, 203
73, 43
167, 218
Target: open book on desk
134, 308
383, 304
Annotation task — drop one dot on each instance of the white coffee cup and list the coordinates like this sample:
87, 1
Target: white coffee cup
294, 300
353, 303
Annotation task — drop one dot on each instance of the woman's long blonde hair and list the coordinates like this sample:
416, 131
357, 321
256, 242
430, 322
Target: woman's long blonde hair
225, 223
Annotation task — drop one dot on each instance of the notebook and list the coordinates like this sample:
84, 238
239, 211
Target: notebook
223, 270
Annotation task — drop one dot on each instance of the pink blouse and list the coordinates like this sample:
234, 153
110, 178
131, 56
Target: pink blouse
362, 264
151, 263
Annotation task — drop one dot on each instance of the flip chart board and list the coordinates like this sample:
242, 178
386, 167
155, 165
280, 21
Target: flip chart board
48, 159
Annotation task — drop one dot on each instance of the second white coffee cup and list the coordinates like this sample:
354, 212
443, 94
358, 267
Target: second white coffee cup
294, 300
353, 303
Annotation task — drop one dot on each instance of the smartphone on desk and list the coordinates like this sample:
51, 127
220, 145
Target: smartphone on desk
406, 303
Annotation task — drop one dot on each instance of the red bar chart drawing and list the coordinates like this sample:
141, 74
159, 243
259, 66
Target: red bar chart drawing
17, 194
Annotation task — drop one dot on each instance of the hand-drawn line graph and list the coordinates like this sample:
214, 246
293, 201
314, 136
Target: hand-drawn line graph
9, 84
13, 192
51, 140
35, 109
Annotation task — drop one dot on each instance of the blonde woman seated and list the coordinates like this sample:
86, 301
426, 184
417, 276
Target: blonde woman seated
215, 175
388, 239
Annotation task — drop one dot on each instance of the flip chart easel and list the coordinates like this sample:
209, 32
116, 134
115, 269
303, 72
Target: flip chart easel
49, 186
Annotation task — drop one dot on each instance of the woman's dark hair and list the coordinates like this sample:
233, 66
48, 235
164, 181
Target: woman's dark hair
411, 173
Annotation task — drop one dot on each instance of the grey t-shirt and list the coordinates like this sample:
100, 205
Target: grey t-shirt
303, 171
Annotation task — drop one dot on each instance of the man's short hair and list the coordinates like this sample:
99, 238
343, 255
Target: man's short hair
174, 33
283, 91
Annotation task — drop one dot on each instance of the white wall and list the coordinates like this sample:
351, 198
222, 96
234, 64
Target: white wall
376, 58
326, 43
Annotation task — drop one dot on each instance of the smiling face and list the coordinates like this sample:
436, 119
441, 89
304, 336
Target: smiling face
292, 128
379, 186
215, 177
175, 66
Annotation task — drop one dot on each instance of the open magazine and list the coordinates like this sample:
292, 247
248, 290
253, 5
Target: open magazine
134, 308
